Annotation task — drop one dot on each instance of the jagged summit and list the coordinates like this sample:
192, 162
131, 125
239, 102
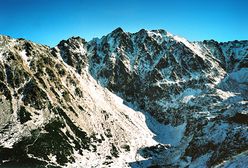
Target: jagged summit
124, 100
117, 30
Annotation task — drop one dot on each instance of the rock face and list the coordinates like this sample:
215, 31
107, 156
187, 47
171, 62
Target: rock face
126, 100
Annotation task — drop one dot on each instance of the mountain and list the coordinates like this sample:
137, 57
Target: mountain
145, 99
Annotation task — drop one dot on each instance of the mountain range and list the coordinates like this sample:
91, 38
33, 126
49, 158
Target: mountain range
144, 99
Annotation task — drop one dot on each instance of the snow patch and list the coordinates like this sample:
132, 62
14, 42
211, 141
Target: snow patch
224, 94
24, 56
166, 134
189, 94
1, 56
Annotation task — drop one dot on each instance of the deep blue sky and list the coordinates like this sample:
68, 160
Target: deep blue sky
49, 21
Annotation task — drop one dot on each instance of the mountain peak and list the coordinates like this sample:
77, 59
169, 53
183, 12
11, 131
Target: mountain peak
117, 30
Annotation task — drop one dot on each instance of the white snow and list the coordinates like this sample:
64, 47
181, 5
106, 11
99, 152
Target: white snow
156, 36
192, 46
224, 94
24, 57
190, 93
159, 37
52, 158
81, 49
1, 56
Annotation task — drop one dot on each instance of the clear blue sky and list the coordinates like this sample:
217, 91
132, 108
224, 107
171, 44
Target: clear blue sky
49, 21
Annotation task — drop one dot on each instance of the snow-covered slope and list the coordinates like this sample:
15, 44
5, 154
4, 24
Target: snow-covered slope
126, 100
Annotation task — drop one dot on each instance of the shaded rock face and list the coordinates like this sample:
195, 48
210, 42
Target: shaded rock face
149, 66
58, 109
73, 52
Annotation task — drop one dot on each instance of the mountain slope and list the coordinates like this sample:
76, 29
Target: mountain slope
59, 105
56, 116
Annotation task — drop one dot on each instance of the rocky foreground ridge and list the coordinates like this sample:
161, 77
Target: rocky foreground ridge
126, 100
